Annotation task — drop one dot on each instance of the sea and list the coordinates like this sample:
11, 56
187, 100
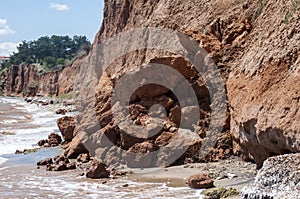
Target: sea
22, 125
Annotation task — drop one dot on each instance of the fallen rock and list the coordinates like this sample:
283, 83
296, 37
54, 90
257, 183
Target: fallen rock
61, 166
60, 158
18, 152
66, 126
97, 170
60, 163
279, 178
84, 158
200, 181
54, 139
45, 162
74, 149
42, 142
61, 111
71, 165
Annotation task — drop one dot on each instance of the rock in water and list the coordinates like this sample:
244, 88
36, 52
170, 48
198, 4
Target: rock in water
42, 142
97, 170
279, 178
61, 111
200, 181
66, 125
45, 162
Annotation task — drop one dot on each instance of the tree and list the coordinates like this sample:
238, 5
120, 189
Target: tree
50, 51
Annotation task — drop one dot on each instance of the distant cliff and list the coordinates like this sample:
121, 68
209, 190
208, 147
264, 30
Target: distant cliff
24, 80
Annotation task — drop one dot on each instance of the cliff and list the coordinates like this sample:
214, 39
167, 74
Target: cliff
253, 44
24, 80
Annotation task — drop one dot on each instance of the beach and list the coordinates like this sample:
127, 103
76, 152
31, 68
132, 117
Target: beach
23, 124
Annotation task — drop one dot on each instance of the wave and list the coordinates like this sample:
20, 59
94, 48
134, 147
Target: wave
2, 160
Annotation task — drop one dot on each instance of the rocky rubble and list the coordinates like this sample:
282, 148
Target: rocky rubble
60, 163
279, 178
53, 140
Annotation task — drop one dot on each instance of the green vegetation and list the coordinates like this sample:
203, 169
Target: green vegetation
27, 151
49, 52
65, 96
287, 17
221, 193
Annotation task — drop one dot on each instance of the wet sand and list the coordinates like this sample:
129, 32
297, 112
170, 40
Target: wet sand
26, 181
226, 173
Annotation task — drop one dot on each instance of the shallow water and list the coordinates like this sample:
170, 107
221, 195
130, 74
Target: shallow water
21, 126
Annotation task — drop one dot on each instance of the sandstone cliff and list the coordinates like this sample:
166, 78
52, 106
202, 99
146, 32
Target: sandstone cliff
253, 43
24, 80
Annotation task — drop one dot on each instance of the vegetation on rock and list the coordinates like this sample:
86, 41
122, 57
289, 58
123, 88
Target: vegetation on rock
221, 193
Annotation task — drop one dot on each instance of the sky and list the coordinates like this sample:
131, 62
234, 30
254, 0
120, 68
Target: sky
28, 20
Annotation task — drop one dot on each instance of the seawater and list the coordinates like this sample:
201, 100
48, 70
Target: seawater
21, 126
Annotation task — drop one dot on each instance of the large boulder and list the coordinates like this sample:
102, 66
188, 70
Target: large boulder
66, 126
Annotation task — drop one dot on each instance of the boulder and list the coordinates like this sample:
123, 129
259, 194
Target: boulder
61, 166
74, 149
97, 170
45, 162
42, 142
61, 158
54, 139
200, 181
66, 126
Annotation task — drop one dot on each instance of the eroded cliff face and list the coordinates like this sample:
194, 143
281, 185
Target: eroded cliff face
23, 80
255, 46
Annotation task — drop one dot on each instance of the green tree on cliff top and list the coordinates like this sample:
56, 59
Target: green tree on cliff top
50, 52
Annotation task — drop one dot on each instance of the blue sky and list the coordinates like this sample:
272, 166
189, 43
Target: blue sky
30, 19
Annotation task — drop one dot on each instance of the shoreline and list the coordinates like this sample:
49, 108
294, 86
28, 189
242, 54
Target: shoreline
231, 173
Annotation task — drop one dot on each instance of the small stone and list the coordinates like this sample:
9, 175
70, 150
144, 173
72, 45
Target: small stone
84, 158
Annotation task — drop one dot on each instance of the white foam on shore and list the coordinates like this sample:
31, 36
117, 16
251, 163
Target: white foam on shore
2, 160
27, 126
